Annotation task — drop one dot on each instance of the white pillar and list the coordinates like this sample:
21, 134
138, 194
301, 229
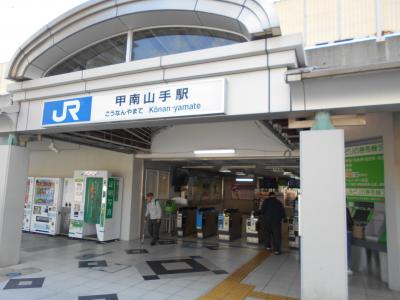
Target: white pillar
323, 216
391, 146
14, 163
131, 209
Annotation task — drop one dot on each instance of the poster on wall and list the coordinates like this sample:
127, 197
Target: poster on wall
365, 172
243, 191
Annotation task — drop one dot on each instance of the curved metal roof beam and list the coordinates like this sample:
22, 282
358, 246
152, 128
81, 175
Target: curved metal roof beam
96, 20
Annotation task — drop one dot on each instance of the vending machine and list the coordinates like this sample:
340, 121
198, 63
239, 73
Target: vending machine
47, 205
26, 223
96, 207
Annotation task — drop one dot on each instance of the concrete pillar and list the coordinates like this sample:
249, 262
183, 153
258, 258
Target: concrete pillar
323, 216
391, 146
14, 163
131, 210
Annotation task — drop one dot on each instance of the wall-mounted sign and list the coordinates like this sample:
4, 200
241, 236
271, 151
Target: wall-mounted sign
202, 97
365, 173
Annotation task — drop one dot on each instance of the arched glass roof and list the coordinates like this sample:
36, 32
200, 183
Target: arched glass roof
164, 41
145, 44
108, 52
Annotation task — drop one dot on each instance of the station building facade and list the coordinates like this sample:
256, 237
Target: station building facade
158, 80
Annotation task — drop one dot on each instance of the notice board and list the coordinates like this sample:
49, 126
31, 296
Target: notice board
365, 179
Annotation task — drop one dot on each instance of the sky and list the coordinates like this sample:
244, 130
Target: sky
19, 19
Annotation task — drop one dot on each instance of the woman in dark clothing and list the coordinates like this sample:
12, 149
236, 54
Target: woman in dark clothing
273, 213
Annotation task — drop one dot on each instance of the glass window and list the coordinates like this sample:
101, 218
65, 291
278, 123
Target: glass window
146, 44
108, 52
164, 41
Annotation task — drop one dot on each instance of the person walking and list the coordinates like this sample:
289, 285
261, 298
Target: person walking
273, 213
153, 217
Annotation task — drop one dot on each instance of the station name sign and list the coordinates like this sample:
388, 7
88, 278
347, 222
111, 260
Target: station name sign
202, 97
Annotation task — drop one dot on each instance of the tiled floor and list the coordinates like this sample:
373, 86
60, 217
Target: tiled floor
280, 275
58, 259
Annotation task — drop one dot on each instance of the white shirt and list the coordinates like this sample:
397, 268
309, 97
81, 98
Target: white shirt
153, 209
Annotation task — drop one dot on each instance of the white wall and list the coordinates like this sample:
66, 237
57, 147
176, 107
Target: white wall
248, 138
44, 162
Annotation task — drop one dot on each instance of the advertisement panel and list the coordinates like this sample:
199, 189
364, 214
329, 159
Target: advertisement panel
365, 173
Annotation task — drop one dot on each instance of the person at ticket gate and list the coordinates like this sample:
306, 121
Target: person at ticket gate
273, 214
153, 217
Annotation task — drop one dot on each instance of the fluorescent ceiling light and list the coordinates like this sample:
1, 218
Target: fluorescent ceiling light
214, 151
225, 171
244, 179
240, 173
198, 167
282, 167
242, 167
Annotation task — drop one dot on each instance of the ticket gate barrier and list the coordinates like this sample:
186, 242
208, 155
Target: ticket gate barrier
254, 229
186, 221
207, 222
229, 225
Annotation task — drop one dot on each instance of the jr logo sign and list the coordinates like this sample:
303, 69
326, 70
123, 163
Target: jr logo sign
67, 111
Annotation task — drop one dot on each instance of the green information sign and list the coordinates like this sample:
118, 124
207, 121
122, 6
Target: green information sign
365, 173
111, 194
93, 196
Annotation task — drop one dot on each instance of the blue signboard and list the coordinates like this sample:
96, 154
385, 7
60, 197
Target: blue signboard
67, 111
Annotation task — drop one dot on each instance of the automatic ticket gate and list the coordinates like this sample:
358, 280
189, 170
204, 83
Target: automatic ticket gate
254, 229
206, 225
186, 221
229, 225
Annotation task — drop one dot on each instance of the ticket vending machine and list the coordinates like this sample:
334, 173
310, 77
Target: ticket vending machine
96, 207
253, 229
206, 222
186, 221
47, 205
67, 199
229, 225
26, 222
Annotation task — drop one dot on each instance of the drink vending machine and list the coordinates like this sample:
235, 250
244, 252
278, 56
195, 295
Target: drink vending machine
46, 205
96, 207
26, 223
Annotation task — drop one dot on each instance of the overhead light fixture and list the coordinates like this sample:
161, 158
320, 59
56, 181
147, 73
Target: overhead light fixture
225, 170
198, 167
214, 151
282, 167
241, 167
240, 174
244, 179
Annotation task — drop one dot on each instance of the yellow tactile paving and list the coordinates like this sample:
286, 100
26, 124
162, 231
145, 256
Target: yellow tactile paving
232, 288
